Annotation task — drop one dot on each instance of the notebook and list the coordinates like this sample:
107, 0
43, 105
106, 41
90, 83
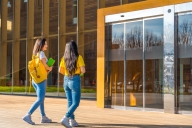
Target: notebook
50, 62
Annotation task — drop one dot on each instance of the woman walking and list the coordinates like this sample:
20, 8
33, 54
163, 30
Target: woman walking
40, 88
73, 66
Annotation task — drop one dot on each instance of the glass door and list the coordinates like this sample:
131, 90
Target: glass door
184, 62
114, 67
134, 63
134, 72
153, 39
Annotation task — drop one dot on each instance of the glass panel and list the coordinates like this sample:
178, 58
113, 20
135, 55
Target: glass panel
74, 11
8, 78
185, 61
90, 58
134, 63
114, 67
153, 32
90, 14
23, 19
110, 3
53, 17
19, 86
10, 20
52, 77
70, 26
38, 18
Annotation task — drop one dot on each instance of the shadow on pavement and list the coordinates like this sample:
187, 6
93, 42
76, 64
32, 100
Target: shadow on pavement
87, 125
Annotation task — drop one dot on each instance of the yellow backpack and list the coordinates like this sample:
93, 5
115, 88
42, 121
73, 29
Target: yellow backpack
37, 70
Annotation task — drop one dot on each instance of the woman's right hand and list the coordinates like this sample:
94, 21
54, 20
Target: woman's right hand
50, 68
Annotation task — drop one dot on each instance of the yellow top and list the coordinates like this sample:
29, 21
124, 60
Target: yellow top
80, 63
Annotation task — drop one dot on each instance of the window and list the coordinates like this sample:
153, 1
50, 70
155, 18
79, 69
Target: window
74, 7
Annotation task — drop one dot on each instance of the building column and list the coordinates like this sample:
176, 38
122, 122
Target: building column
80, 31
100, 58
3, 42
62, 27
30, 34
169, 60
61, 35
16, 42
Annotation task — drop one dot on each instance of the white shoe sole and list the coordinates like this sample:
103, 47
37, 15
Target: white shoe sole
29, 122
73, 125
65, 125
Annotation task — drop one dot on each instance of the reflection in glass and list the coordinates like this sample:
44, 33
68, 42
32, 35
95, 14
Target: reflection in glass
184, 67
153, 31
134, 35
23, 19
117, 36
90, 58
10, 20
19, 84
134, 73
52, 76
8, 78
114, 67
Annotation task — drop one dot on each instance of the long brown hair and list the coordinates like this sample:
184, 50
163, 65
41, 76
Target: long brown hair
70, 56
39, 44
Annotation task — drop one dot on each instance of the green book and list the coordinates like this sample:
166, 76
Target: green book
50, 62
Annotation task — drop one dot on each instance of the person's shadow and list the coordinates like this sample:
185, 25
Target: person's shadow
92, 125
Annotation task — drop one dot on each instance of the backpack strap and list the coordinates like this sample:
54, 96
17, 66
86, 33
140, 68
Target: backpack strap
30, 84
30, 80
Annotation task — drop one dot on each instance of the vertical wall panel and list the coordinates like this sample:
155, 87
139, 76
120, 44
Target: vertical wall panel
62, 36
4, 41
80, 35
45, 23
169, 80
16, 49
30, 34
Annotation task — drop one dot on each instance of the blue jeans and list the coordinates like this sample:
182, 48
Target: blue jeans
40, 89
72, 87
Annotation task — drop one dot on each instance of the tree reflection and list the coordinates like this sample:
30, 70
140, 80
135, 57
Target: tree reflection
134, 39
185, 33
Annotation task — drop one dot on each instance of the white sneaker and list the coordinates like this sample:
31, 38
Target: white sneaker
65, 122
45, 119
73, 123
27, 118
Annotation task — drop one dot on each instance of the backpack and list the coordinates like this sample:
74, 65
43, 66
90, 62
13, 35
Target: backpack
37, 70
